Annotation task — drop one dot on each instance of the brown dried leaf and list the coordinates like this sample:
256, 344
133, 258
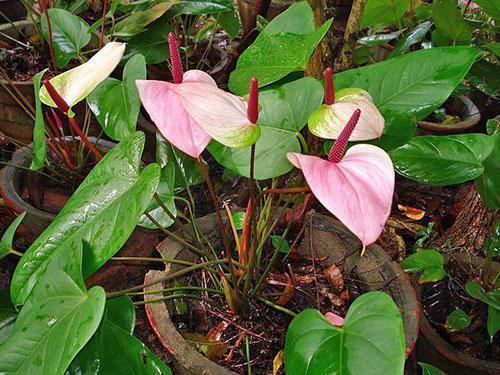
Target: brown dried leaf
287, 292
278, 361
334, 277
412, 212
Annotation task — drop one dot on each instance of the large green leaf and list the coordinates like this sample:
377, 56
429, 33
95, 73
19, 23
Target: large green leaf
113, 350
136, 22
285, 110
152, 43
414, 84
383, 12
276, 54
8, 236
443, 160
450, 23
488, 184
297, 19
102, 212
370, 342
491, 7
39, 145
199, 7
485, 77
57, 320
476, 291
8, 316
116, 104
69, 34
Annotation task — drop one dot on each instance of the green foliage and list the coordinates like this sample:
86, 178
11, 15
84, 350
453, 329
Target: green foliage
8, 316
443, 160
370, 342
152, 43
196, 7
102, 213
492, 299
457, 320
113, 349
491, 7
427, 262
69, 34
39, 146
489, 182
430, 370
281, 244
8, 236
230, 22
136, 22
278, 51
381, 13
239, 219
485, 77
285, 110
116, 104
59, 316
450, 23
413, 37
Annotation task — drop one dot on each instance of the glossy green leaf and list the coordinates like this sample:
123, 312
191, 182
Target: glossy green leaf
284, 112
69, 34
492, 126
7, 239
430, 370
485, 77
443, 160
457, 320
230, 22
430, 263
476, 291
102, 212
152, 43
8, 316
370, 342
413, 37
491, 7
493, 321
450, 22
378, 39
281, 244
39, 145
116, 104
383, 12
136, 22
298, 18
199, 7
113, 350
59, 317
276, 54
488, 184
239, 219
398, 130
414, 84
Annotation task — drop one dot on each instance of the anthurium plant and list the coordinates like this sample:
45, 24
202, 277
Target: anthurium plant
258, 132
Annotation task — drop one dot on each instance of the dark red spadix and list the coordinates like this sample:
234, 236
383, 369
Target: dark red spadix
253, 101
329, 89
175, 58
338, 147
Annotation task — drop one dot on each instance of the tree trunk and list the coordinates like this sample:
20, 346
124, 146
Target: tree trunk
472, 225
319, 60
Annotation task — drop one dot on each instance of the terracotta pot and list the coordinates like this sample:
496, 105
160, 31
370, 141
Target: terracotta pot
14, 10
457, 105
15, 122
435, 350
330, 239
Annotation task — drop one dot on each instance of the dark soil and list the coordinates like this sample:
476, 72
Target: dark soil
441, 298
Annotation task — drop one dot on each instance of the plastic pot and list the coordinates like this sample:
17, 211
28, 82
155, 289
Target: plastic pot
457, 105
432, 348
330, 240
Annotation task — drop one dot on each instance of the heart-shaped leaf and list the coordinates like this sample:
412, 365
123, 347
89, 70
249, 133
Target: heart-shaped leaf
59, 317
113, 349
383, 12
69, 34
277, 53
457, 320
284, 112
370, 342
428, 262
443, 160
298, 18
450, 23
116, 104
361, 185
8, 236
8, 316
102, 212
488, 183
476, 291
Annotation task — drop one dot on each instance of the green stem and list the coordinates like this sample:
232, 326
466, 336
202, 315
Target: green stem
161, 260
247, 353
305, 148
277, 307
12, 251
177, 288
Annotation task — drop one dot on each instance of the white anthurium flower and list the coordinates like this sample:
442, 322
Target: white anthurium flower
75, 84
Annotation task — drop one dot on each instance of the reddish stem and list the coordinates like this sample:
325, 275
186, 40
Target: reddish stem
91, 147
338, 147
43, 4
175, 58
58, 99
253, 101
329, 88
60, 128
101, 37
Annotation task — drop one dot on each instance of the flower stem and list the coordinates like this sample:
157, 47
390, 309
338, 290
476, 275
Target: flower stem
101, 37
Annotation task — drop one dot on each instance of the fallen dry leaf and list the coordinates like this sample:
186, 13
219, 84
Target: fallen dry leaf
278, 361
411, 212
334, 277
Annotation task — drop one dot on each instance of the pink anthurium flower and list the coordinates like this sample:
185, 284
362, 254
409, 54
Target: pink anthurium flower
356, 188
328, 120
193, 110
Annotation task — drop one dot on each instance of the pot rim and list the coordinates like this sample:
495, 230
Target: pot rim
442, 345
159, 312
